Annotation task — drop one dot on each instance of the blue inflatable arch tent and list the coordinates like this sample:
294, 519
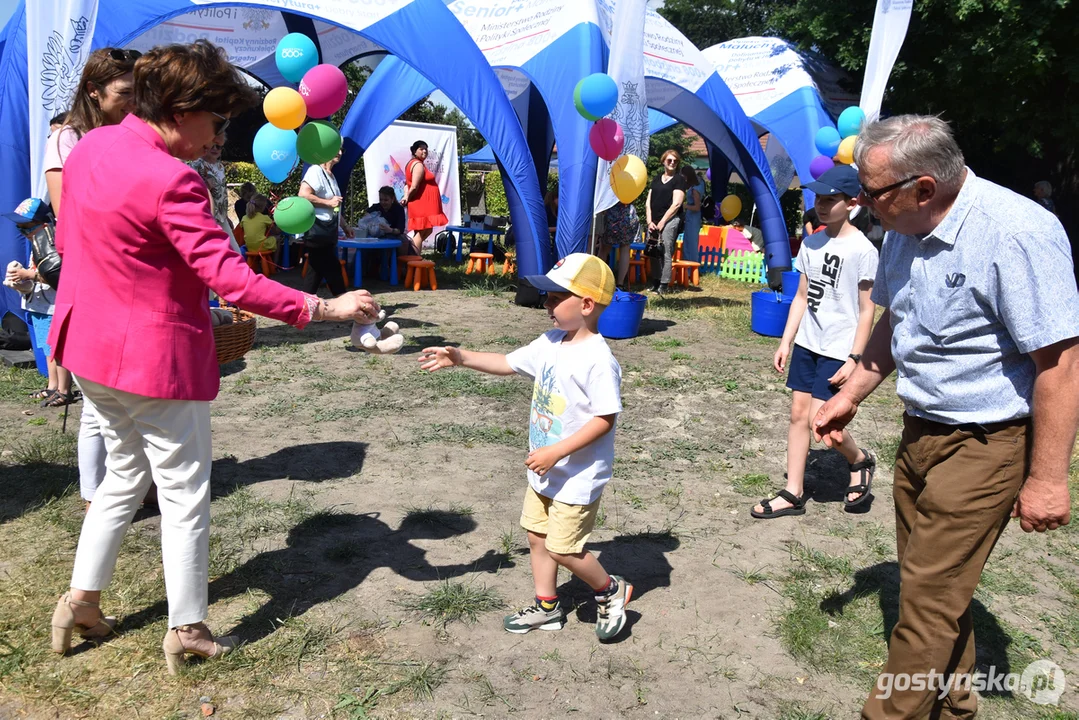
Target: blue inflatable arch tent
540, 51
787, 92
45, 48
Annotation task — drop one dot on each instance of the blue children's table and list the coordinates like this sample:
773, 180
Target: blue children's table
473, 232
389, 248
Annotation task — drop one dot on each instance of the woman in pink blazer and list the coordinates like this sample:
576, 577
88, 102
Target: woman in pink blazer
132, 323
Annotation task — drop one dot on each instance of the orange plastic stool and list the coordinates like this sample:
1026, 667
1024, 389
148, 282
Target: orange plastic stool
418, 271
266, 258
637, 270
480, 262
686, 272
509, 266
344, 272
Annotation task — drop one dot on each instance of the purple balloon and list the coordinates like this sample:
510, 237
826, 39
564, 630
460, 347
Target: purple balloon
820, 165
708, 174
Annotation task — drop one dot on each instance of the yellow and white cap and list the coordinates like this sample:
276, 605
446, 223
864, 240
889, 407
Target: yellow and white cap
581, 274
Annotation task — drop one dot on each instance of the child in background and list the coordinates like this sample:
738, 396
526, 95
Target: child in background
829, 323
33, 215
247, 191
258, 230
576, 399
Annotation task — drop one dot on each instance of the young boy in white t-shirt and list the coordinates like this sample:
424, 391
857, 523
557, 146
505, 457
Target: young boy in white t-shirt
576, 399
829, 323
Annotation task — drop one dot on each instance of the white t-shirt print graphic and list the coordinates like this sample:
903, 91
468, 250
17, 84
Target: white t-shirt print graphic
572, 384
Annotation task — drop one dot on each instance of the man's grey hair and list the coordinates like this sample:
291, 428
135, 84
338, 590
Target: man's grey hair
1045, 187
919, 145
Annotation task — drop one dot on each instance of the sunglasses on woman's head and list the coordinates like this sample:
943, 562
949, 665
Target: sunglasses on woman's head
125, 55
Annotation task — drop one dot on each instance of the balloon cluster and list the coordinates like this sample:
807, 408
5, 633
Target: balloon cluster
836, 144
595, 97
278, 147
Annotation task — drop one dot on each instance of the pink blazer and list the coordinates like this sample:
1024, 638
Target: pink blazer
140, 248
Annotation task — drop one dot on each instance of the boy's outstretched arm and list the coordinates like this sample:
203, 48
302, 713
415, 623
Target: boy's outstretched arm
541, 460
436, 358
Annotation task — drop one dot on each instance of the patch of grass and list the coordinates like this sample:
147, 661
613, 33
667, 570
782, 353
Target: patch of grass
635, 501
507, 541
798, 711
680, 357
662, 382
999, 579
751, 576
245, 516
667, 344
16, 384
450, 601
752, 485
470, 435
886, 449
679, 449
334, 414
465, 383
484, 285
420, 680
53, 448
38, 421
507, 340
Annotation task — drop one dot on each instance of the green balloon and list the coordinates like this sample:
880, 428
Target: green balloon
294, 215
318, 142
579, 105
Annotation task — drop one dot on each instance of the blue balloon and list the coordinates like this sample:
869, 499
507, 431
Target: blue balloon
296, 54
827, 141
274, 150
851, 121
599, 94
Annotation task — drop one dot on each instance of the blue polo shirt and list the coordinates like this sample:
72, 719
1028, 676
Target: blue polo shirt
969, 301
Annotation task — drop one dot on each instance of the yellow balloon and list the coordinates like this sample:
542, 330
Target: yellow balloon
845, 154
731, 207
285, 108
628, 177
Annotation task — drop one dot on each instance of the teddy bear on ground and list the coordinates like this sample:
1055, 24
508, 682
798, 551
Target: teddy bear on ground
386, 341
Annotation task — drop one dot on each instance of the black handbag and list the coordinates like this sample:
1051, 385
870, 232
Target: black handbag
323, 233
43, 249
652, 246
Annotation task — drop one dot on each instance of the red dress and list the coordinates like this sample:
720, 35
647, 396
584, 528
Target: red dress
425, 211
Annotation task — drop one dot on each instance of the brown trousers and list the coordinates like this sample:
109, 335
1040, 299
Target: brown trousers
954, 491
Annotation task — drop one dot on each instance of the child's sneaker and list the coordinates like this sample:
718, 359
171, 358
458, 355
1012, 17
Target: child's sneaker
534, 617
611, 610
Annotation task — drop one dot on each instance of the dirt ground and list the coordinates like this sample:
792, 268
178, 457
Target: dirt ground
349, 487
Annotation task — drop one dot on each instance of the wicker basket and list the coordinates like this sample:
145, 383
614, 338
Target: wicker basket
235, 339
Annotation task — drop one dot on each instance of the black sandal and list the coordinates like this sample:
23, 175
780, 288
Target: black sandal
59, 399
42, 394
798, 506
867, 468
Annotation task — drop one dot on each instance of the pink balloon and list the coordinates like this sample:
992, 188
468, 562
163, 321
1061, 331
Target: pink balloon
324, 89
607, 139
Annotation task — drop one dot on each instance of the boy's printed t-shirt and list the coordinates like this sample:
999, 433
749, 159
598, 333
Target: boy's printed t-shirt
573, 384
255, 233
833, 268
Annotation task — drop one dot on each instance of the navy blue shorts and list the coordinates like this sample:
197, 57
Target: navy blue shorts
809, 373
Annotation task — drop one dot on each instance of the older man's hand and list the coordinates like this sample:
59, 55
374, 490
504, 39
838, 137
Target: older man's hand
1042, 505
832, 418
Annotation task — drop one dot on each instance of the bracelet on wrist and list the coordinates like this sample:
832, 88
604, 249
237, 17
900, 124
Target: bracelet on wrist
856, 357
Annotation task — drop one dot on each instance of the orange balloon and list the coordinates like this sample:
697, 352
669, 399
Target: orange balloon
845, 154
285, 108
628, 177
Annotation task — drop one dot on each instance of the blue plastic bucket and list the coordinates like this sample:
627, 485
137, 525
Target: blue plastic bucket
768, 314
622, 318
791, 280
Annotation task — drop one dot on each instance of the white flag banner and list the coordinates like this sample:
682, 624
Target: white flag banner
58, 35
889, 30
387, 157
780, 163
626, 66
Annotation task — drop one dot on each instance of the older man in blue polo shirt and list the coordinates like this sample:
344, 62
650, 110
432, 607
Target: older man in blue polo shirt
982, 322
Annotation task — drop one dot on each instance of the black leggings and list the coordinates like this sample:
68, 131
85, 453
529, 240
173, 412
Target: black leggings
322, 264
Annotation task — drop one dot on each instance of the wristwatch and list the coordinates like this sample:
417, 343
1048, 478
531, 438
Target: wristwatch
856, 357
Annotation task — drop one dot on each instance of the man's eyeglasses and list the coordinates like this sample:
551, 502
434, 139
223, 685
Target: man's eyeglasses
124, 55
221, 124
875, 194
217, 147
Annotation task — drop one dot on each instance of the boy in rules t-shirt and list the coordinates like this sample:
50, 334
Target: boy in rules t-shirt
829, 323
576, 399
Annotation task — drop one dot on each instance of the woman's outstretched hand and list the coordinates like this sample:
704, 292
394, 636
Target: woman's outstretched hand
357, 305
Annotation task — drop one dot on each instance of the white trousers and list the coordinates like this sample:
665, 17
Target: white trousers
166, 442
91, 451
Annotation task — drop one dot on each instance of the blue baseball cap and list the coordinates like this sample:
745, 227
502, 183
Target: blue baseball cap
840, 179
30, 210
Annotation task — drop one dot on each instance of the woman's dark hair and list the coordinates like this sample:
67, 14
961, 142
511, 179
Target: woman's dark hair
59, 119
102, 67
690, 176
174, 79
417, 145
388, 191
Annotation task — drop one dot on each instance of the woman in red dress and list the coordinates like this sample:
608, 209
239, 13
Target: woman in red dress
423, 200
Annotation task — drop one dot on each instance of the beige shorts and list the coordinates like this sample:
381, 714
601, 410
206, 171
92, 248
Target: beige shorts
567, 527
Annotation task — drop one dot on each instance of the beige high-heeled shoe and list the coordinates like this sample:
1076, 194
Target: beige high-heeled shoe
176, 654
63, 624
